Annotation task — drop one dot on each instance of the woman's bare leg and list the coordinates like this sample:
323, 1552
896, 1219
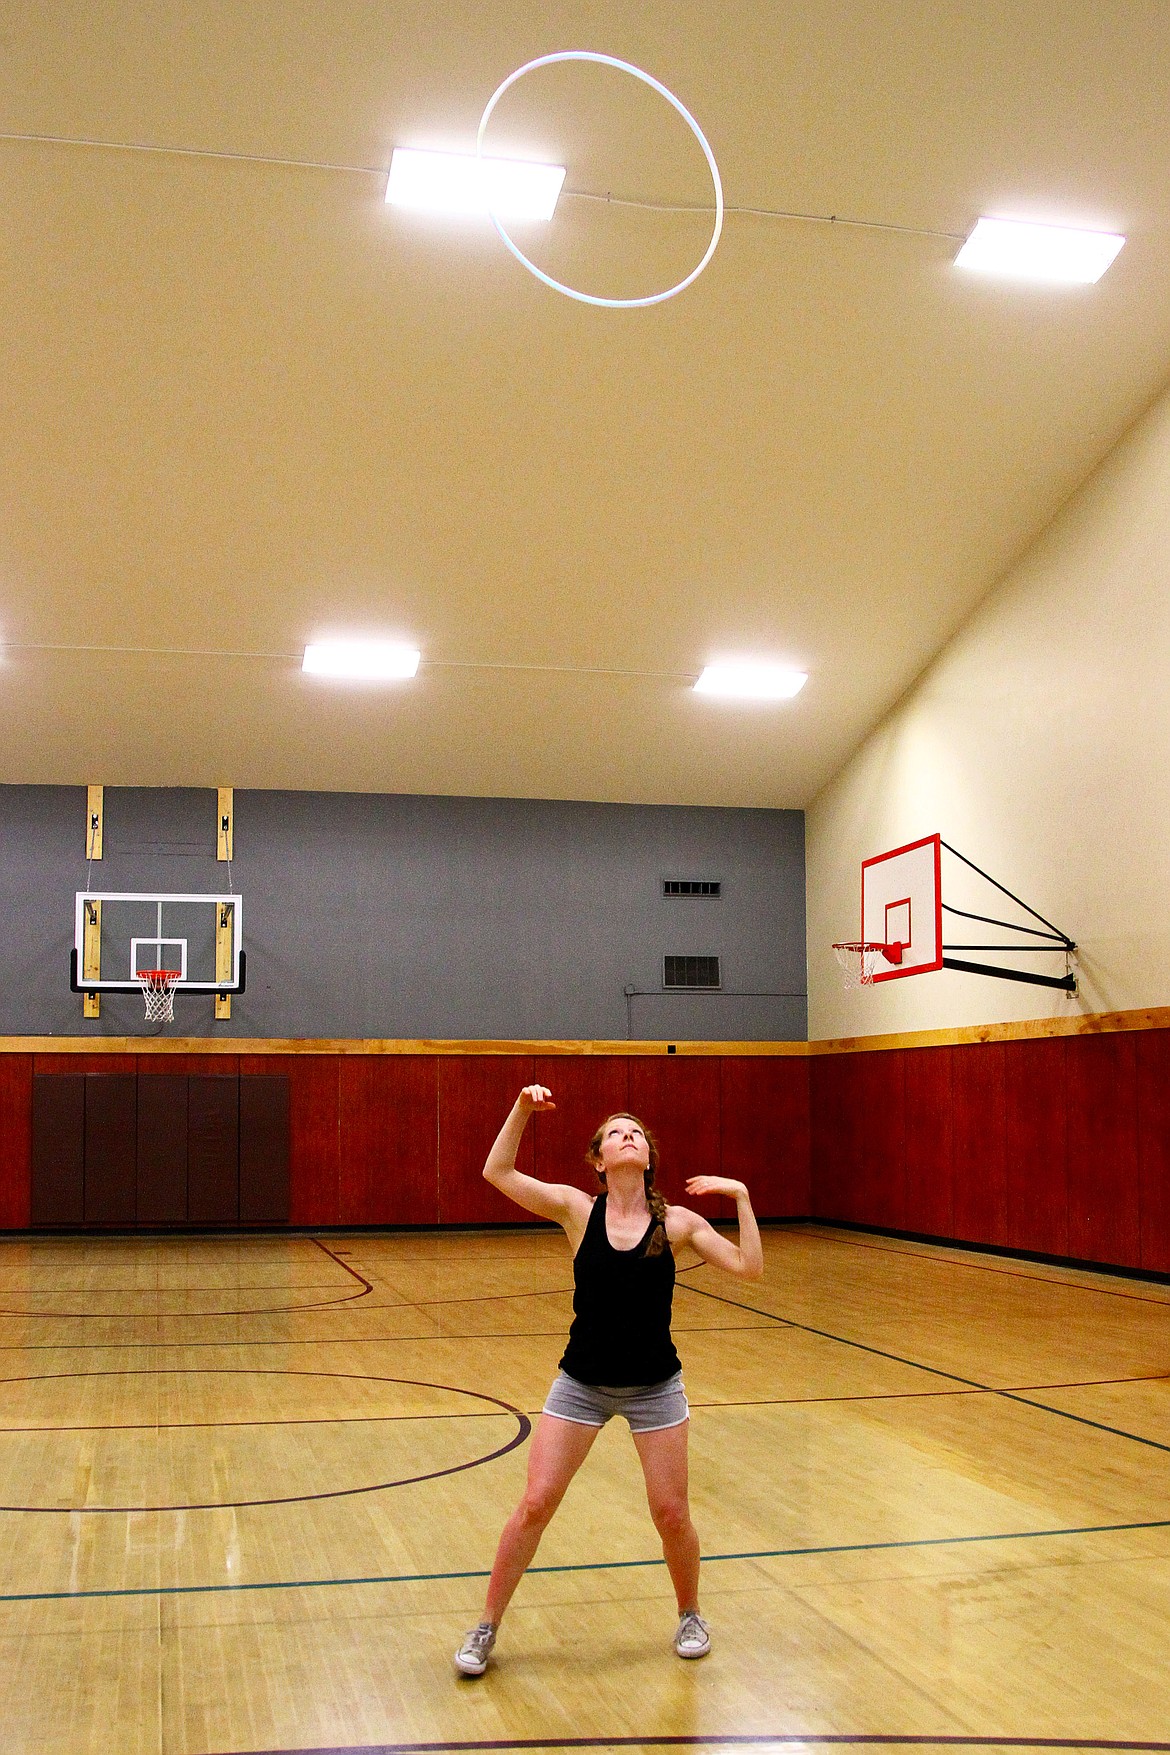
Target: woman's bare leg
664, 1463
559, 1447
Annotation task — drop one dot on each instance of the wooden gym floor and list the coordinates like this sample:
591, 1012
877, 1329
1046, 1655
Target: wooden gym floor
250, 1488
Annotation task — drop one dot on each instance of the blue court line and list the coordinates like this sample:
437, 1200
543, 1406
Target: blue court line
195, 1590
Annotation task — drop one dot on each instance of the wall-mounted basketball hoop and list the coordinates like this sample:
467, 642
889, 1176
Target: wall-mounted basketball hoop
159, 946
902, 921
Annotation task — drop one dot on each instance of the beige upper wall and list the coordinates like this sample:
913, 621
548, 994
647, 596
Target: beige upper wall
246, 405
1037, 743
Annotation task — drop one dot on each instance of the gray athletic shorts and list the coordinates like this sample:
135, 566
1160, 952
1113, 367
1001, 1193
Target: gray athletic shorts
649, 1407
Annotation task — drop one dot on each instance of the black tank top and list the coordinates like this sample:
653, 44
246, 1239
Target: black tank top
621, 1310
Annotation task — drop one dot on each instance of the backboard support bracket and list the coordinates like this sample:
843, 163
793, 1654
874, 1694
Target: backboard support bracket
224, 823
224, 932
1066, 983
91, 1004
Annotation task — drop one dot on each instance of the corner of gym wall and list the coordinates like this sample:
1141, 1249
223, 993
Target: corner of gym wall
1038, 743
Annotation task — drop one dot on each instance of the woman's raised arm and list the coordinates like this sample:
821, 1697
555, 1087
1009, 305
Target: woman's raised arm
745, 1259
558, 1201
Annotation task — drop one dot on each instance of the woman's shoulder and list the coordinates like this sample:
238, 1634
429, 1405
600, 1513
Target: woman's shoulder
681, 1222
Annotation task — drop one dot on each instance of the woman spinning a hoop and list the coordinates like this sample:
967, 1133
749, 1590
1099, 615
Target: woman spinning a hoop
620, 1358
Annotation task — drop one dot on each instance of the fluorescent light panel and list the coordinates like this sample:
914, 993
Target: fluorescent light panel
374, 660
455, 182
1021, 251
751, 681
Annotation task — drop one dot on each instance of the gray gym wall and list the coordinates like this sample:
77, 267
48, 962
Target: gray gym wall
394, 916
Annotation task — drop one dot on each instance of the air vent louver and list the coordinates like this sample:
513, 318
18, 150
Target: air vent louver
691, 972
691, 887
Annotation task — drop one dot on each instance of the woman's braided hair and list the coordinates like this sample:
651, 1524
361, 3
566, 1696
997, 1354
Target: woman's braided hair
655, 1199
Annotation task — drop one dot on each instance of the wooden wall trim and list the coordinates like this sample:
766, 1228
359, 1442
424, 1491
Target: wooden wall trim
210, 1045
1025, 1030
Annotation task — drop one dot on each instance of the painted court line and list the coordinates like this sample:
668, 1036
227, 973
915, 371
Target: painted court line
195, 1590
926, 1253
737, 1740
1007, 1395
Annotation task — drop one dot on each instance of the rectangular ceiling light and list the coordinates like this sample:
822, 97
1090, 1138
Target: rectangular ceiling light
456, 182
745, 681
375, 660
1021, 251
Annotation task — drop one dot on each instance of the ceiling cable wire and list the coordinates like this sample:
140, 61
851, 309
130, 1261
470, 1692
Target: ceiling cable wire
687, 676
697, 208
704, 210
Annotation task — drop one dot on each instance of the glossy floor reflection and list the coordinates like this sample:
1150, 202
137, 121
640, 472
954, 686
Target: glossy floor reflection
250, 1488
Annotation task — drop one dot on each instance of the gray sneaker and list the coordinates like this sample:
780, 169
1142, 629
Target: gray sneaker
693, 1639
472, 1657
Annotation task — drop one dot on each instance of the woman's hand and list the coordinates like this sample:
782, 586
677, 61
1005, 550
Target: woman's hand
716, 1185
534, 1098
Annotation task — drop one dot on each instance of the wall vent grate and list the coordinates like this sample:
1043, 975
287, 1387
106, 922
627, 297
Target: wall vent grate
691, 887
691, 972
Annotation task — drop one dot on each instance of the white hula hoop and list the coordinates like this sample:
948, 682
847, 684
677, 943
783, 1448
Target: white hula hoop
655, 85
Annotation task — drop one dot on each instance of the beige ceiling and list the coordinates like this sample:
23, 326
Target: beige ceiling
246, 404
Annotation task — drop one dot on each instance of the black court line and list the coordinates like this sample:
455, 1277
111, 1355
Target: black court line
977, 1267
230, 1425
180, 1315
341, 1304
360, 1278
365, 1288
431, 1336
735, 1740
523, 1428
776, 1401
910, 1395
968, 1383
492, 1297
327, 1285
1008, 1395
381, 1578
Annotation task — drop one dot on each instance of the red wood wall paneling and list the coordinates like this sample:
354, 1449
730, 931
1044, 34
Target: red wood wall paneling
223, 1066
1035, 1100
978, 1155
16, 1071
475, 1095
314, 1132
389, 1140
586, 1089
879, 1130
1060, 1146
829, 1137
1153, 1122
929, 1168
1103, 1211
764, 1130
57, 1193
678, 1100
85, 1063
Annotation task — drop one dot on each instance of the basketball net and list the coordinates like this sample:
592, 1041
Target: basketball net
859, 960
158, 990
